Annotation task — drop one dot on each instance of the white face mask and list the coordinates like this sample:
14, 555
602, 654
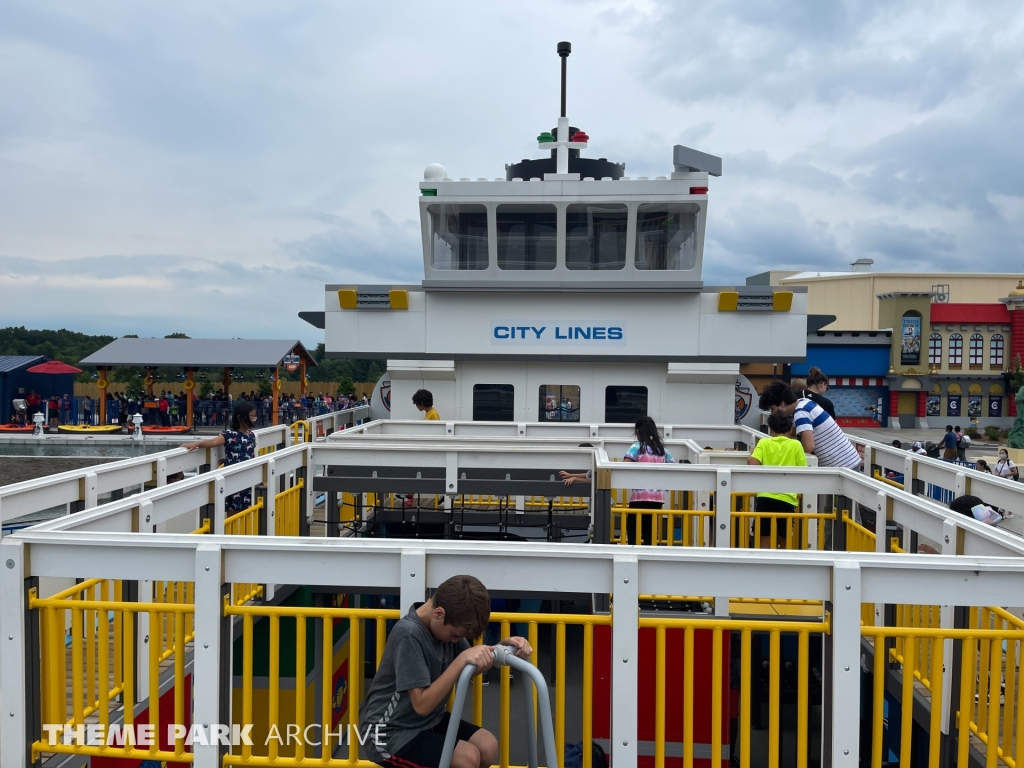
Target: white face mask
1002, 457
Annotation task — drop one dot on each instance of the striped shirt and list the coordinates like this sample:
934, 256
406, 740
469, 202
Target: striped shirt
831, 445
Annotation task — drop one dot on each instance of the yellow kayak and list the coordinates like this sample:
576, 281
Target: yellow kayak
81, 430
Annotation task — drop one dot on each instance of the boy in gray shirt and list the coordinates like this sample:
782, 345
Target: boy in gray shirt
424, 656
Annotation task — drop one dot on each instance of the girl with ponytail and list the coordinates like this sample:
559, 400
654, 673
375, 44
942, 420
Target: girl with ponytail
648, 448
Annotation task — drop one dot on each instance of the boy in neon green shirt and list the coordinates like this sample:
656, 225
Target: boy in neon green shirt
779, 450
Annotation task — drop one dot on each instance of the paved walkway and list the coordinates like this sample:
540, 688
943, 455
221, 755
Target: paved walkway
979, 448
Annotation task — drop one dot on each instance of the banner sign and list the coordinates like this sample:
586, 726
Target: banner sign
910, 341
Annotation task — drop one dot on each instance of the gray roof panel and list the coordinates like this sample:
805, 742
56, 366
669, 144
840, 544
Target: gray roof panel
10, 363
197, 353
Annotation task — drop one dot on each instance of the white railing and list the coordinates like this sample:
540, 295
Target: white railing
843, 581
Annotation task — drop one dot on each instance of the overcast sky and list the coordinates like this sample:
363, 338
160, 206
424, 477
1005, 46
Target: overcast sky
208, 167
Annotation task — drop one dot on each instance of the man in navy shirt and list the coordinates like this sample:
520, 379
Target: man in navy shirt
949, 444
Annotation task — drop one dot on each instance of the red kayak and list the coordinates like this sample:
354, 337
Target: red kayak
164, 430
14, 428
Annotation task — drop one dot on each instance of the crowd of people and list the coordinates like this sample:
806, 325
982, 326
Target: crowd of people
167, 409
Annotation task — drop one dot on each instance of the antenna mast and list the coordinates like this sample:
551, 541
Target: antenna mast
564, 49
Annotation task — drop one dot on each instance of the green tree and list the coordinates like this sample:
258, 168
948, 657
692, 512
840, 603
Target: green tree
177, 336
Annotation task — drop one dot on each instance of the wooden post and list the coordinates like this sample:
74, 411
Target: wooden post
302, 380
190, 375
227, 381
149, 382
275, 395
103, 398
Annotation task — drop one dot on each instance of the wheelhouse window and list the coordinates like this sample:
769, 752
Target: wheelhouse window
935, 349
995, 355
956, 350
977, 351
595, 236
494, 402
624, 405
526, 236
666, 236
458, 236
559, 402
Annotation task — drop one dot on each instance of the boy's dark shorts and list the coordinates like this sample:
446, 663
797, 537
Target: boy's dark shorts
767, 504
424, 751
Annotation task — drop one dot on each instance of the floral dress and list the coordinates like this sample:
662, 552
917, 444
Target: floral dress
238, 447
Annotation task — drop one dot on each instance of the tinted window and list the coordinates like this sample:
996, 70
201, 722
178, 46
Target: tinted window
526, 236
559, 402
624, 405
458, 236
595, 236
493, 402
666, 236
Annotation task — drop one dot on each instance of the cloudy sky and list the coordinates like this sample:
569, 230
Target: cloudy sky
207, 167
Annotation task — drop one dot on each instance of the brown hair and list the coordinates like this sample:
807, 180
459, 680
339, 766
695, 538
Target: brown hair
815, 377
466, 604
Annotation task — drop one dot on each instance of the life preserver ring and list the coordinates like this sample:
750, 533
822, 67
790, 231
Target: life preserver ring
102, 383
149, 381
277, 384
189, 384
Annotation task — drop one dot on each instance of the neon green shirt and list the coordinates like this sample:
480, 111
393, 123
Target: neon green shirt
780, 451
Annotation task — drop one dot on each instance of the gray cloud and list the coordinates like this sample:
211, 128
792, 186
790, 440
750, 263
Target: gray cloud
209, 168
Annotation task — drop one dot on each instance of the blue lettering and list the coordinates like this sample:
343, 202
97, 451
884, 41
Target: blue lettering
599, 333
539, 331
501, 332
581, 333
558, 334
615, 334
522, 331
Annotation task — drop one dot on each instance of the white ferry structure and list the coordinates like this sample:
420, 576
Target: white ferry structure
566, 290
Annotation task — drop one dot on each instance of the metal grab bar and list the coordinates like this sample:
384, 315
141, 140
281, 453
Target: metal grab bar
505, 655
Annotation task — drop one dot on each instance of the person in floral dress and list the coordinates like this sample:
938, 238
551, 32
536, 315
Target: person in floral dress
239, 445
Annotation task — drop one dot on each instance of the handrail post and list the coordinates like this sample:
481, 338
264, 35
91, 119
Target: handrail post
413, 583
14, 659
33, 690
723, 520
212, 653
625, 648
301, 476
845, 671
951, 690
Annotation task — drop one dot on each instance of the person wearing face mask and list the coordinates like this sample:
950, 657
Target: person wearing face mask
1005, 467
239, 443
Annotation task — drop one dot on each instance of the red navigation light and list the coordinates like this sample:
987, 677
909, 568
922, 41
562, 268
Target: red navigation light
580, 136
698, 190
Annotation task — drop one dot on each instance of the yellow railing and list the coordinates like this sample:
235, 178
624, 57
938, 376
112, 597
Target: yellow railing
989, 685
102, 664
883, 479
287, 508
689, 527
306, 431
245, 523
296, 710
661, 526
775, 630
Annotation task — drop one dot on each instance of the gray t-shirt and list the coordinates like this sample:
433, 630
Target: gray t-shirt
413, 658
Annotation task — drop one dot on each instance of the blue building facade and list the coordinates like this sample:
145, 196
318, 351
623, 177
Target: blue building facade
16, 382
856, 363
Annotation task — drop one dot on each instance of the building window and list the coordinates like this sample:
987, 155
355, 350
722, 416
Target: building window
956, 350
526, 236
624, 405
458, 236
559, 402
977, 351
493, 402
935, 349
666, 236
995, 357
595, 236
